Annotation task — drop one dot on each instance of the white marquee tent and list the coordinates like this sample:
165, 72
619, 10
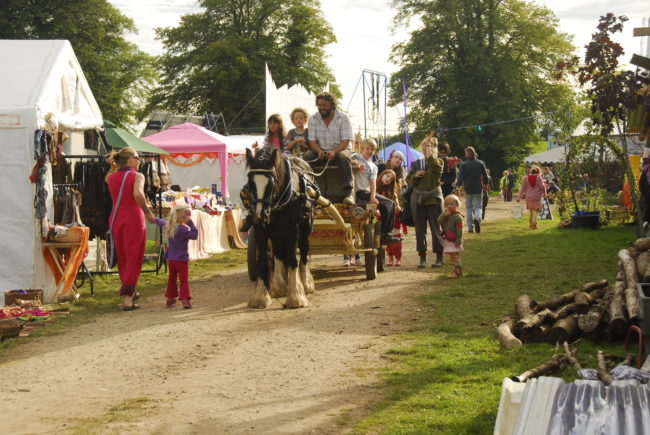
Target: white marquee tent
42, 86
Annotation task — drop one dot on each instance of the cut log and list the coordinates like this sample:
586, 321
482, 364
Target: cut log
589, 322
527, 326
629, 267
522, 306
567, 297
544, 333
642, 244
632, 304
564, 311
643, 266
603, 373
556, 361
617, 318
584, 300
565, 329
620, 273
633, 252
504, 334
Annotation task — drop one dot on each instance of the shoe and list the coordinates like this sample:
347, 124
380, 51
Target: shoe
136, 296
438, 262
349, 200
388, 240
170, 302
353, 262
346, 262
398, 262
246, 224
423, 262
187, 303
390, 261
477, 225
471, 230
130, 307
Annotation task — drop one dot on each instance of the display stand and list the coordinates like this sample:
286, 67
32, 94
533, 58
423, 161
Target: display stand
160, 258
64, 264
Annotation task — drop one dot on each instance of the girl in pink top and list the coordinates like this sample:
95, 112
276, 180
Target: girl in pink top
275, 135
533, 189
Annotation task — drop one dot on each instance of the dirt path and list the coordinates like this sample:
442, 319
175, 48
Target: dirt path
221, 367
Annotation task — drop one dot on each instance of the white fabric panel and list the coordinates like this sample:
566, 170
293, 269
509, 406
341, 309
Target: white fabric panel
17, 223
213, 236
284, 99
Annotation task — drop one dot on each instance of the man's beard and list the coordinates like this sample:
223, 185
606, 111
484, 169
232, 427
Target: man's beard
325, 113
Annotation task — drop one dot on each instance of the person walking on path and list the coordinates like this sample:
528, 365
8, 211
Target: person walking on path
511, 184
449, 171
426, 199
487, 188
330, 133
452, 226
471, 175
533, 189
178, 232
503, 185
126, 186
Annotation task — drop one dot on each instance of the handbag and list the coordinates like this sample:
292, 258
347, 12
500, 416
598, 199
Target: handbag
405, 215
111, 254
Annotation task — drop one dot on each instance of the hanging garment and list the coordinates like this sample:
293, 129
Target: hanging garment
96, 201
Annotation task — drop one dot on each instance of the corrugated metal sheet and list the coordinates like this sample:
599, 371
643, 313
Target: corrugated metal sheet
551, 406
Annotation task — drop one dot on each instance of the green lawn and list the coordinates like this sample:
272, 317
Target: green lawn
447, 376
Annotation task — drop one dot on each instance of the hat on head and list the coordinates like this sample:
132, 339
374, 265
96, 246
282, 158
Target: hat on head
396, 153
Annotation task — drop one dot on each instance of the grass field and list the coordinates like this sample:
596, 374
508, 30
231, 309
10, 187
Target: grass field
447, 376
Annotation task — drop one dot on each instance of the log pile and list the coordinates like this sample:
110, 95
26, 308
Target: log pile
596, 310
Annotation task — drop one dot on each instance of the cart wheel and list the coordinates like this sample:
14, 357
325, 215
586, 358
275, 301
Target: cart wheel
381, 251
252, 256
369, 243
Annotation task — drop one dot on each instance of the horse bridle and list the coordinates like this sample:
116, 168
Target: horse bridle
270, 204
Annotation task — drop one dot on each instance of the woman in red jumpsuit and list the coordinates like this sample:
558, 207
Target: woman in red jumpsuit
128, 227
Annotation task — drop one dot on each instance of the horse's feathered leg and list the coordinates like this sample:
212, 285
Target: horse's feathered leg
296, 297
279, 280
260, 297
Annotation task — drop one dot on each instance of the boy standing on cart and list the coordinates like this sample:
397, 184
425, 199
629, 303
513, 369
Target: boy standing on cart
365, 187
330, 133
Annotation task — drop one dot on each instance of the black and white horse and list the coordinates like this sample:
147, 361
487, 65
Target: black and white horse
281, 209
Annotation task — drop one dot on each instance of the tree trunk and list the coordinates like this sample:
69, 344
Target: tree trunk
527, 326
629, 267
565, 311
504, 334
522, 307
617, 318
565, 329
584, 300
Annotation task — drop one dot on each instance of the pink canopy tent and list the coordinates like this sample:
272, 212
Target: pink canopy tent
189, 140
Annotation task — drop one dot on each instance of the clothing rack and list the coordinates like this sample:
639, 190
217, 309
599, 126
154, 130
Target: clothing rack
160, 261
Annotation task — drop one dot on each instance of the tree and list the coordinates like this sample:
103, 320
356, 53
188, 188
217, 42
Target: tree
478, 62
118, 73
611, 91
214, 60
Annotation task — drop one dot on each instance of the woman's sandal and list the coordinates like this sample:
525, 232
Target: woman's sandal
130, 307
136, 296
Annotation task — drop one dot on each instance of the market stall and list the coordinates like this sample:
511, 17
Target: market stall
200, 157
44, 94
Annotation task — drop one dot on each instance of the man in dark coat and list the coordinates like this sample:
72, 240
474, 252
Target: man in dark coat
471, 175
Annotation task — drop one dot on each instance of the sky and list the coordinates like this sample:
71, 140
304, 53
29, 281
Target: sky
365, 32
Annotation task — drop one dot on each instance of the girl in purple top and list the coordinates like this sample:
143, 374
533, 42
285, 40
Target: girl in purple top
178, 231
